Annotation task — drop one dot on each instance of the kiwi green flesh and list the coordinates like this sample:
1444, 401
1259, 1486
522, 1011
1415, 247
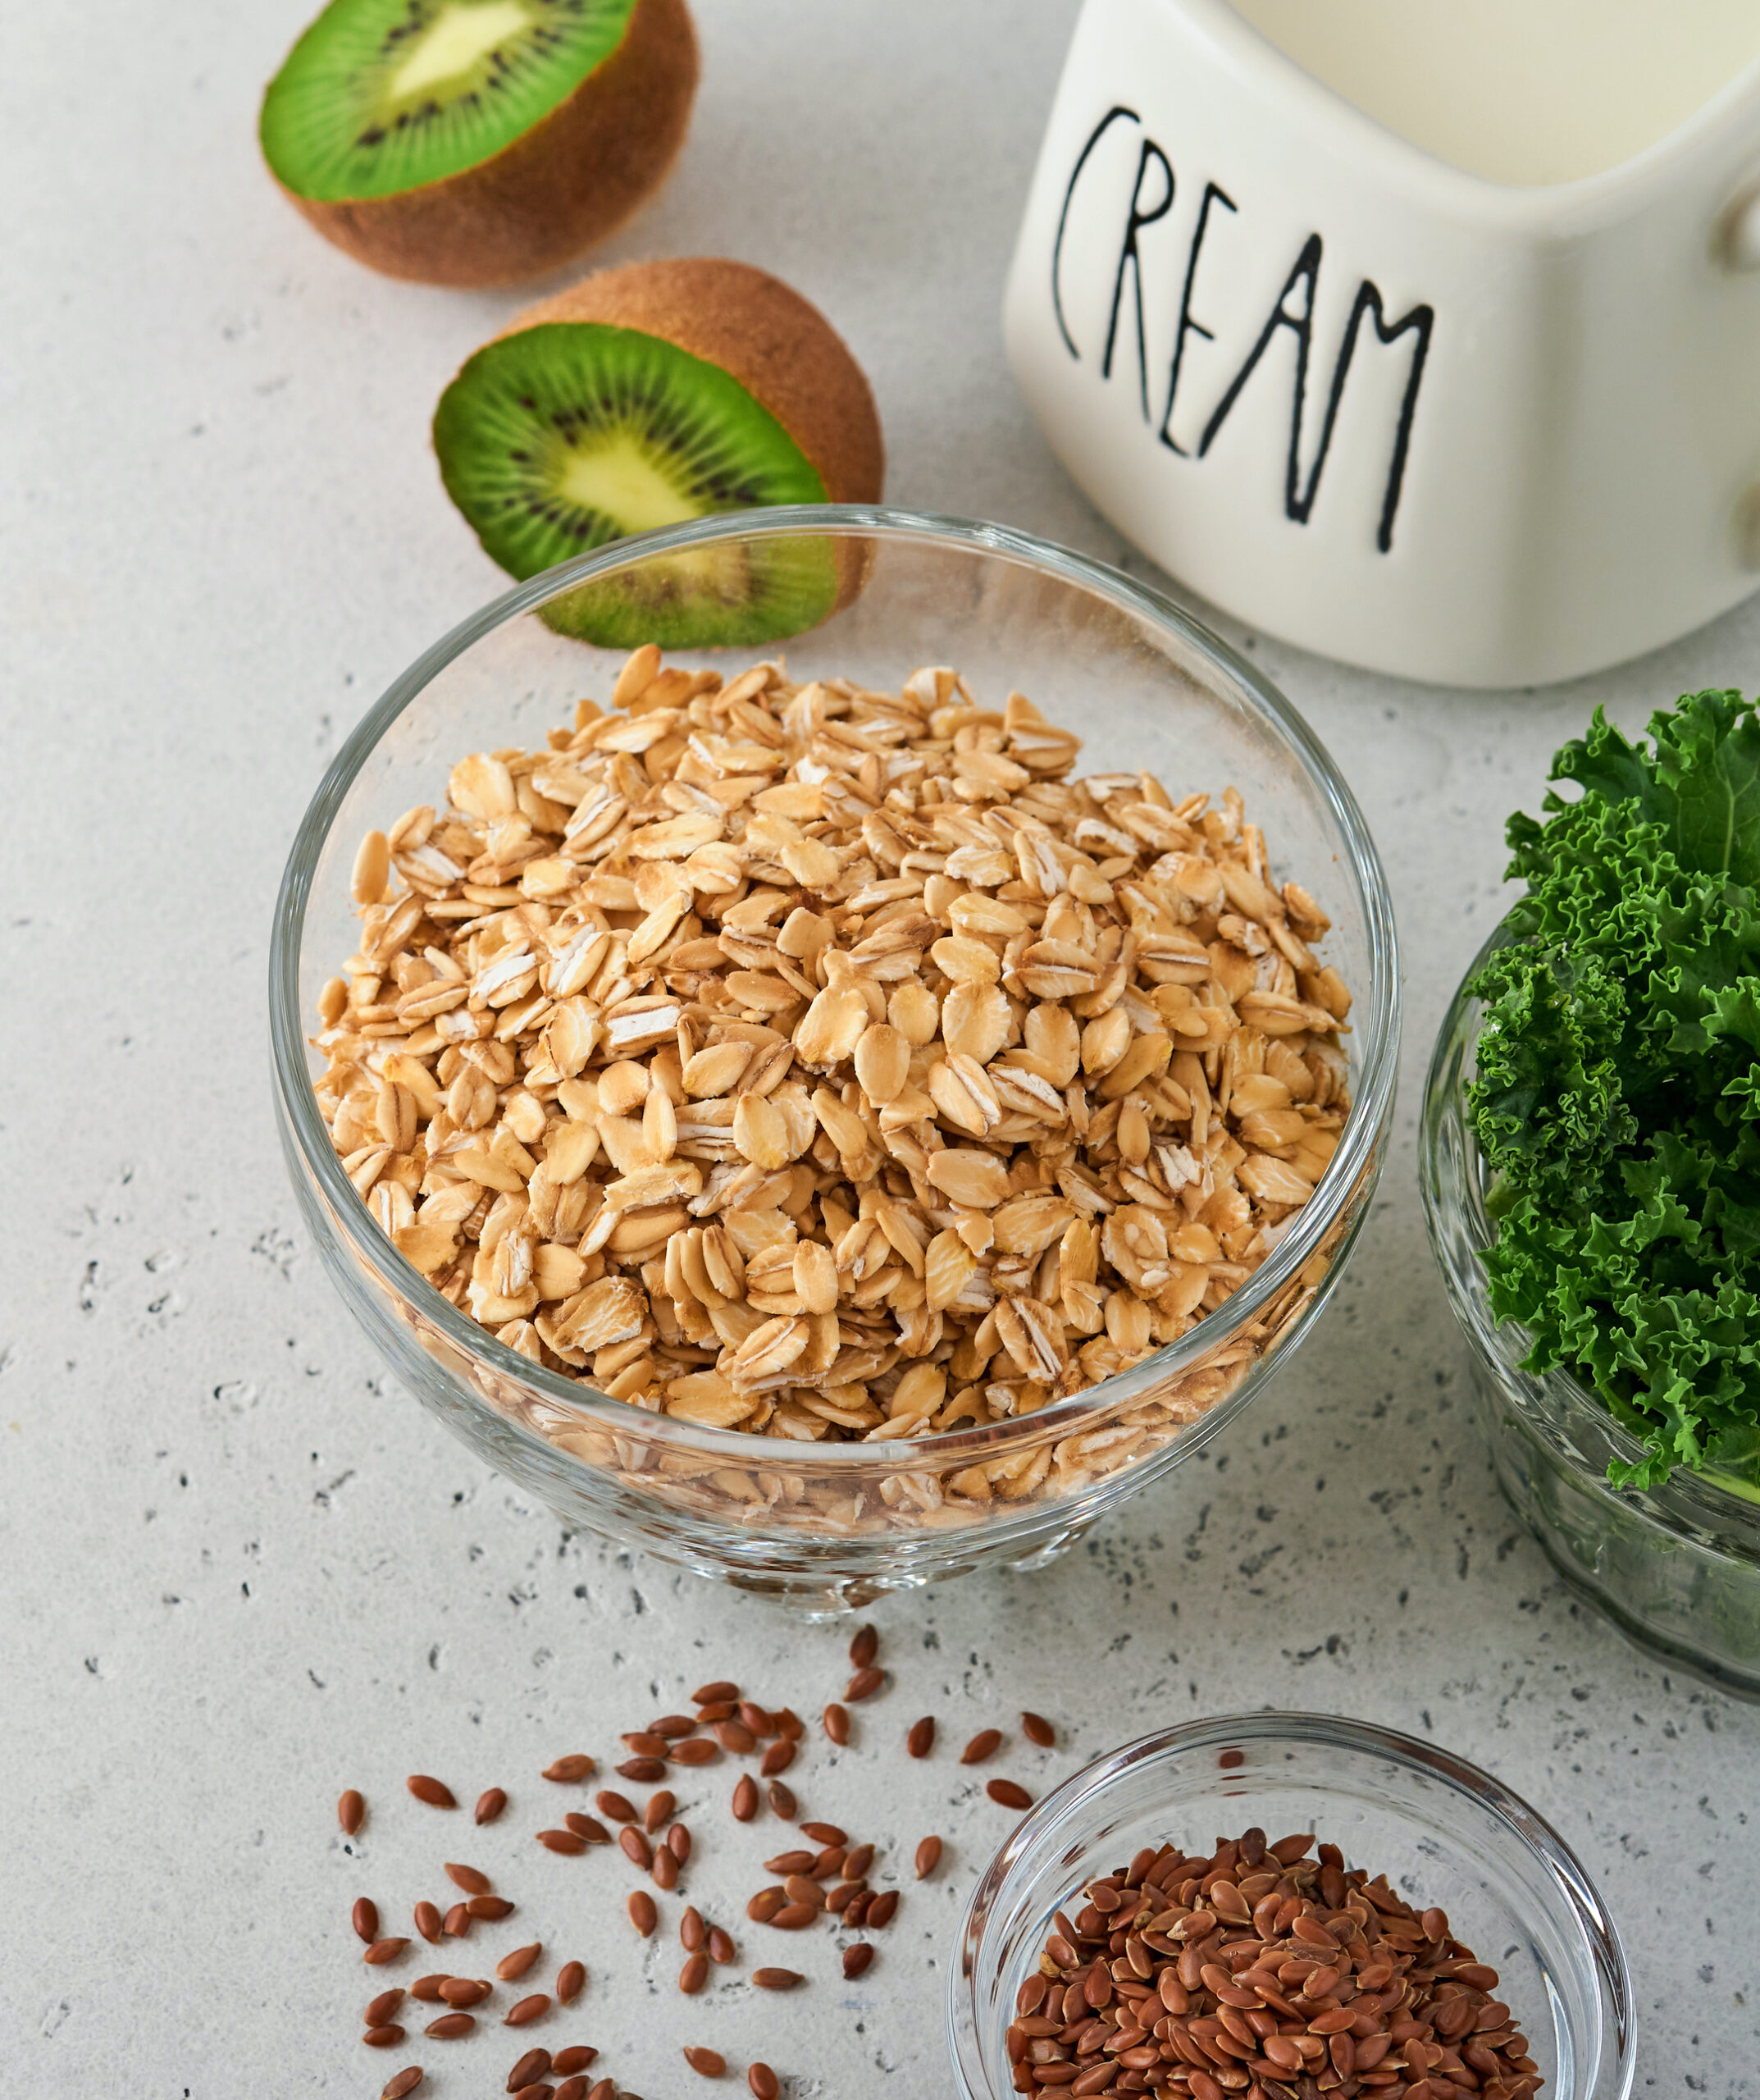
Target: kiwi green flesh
382, 96
567, 436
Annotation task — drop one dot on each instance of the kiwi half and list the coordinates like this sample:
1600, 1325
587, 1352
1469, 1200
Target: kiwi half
649, 396
478, 142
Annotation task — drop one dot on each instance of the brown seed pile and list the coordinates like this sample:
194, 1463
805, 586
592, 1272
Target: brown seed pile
828, 1063
1264, 1971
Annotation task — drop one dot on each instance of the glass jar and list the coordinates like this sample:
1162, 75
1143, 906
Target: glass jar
1677, 1567
833, 1525
1441, 1830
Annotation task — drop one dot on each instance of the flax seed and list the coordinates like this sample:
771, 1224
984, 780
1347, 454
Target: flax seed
490, 1907
643, 1912
489, 1806
793, 1917
402, 2084
658, 1809
678, 1842
568, 1842
777, 1760
644, 1745
695, 1749
635, 1847
764, 1907
745, 1799
694, 1975
383, 2037
641, 1771
616, 1808
880, 1911
586, 1827
351, 1812
427, 1988
566, 2062
864, 1647
707, 1694
428, 1919
836, 1723
735, 1737
707, 2063
571, 1980
461, 1992
857, 1863
468, 1879
536, 2091
457, 1922
928, 1857
665, 1868
920, 1740
451, 2026
1036, 1729
435, 1792
383, 1950
782, 1802
777, 1980
381, 2009
721, 1948
857, 1960
764, 2082
1005, 1794
526, 2011
570, 1770
534, 2065
787, 1863
986, 1743
573, 2088
863, 1685
804, 1892
365, 1919
511, 1967
824, 1834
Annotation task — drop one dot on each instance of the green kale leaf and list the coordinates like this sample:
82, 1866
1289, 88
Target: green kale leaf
1617, 1100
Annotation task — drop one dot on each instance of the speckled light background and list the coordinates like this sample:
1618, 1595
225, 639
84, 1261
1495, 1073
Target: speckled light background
239, 1573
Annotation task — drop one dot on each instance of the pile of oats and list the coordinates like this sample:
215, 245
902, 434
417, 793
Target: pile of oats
826, 1063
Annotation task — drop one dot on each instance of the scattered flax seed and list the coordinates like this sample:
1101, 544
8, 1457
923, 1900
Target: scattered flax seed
587, 1827
351, 1812
1036, 1729
928, 1857
435, 1792
694, 1975
570, 2061
383, 2037
461, 1992
707, 2063
864, 1647
383, 1950
665, 1868
402, 2084
527, 2010
575, 2088
696, 1750
382, 2008
777, 1759
427, 1918
764, 1907
1005, 1794
491, 1804
920, 1740
616, 1808
777, 1980
857, 1960
658, 1810
568, 1841
571, 1980
863, 1685
427, 1988
707, 1694
635, 1847
456, 1923
782, 1802
536, 2091
824, 1834
644, 1915
534, 2065
880, 1910
364, 1918
836, 1723
745, 1799
986, 1743
468, 1878
831, 1064
721, 1947
642, 1771
511, 1967
570, 1770
451, 2026
679, 1842
692, 1932
490, 1908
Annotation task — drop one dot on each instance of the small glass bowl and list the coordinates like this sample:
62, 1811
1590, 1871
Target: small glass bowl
832, 1526
1442, 1832
1676, 1567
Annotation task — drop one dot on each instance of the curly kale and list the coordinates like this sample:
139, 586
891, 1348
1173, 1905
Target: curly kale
1618, 1097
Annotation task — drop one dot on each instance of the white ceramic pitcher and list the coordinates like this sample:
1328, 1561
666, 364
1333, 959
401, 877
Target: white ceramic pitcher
1390, 410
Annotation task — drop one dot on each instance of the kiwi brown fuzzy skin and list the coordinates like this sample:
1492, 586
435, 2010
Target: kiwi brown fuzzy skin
557, 190
779, 347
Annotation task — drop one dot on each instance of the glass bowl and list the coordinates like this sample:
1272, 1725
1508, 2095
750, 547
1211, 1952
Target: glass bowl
1443, 1832
1677, 1567
833, 1525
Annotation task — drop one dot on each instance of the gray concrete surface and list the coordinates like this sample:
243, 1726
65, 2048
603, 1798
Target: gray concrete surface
238, 1572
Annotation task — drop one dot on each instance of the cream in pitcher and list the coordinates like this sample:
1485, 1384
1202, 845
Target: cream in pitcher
1285, 309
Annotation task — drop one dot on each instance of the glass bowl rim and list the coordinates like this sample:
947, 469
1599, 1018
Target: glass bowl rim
1597, 1936
1376, 1076
1445, 1100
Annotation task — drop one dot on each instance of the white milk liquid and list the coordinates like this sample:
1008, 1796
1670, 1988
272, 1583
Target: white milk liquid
1520, 91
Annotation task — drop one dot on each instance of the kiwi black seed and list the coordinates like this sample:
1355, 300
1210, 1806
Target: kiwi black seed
479, 142
652, 395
